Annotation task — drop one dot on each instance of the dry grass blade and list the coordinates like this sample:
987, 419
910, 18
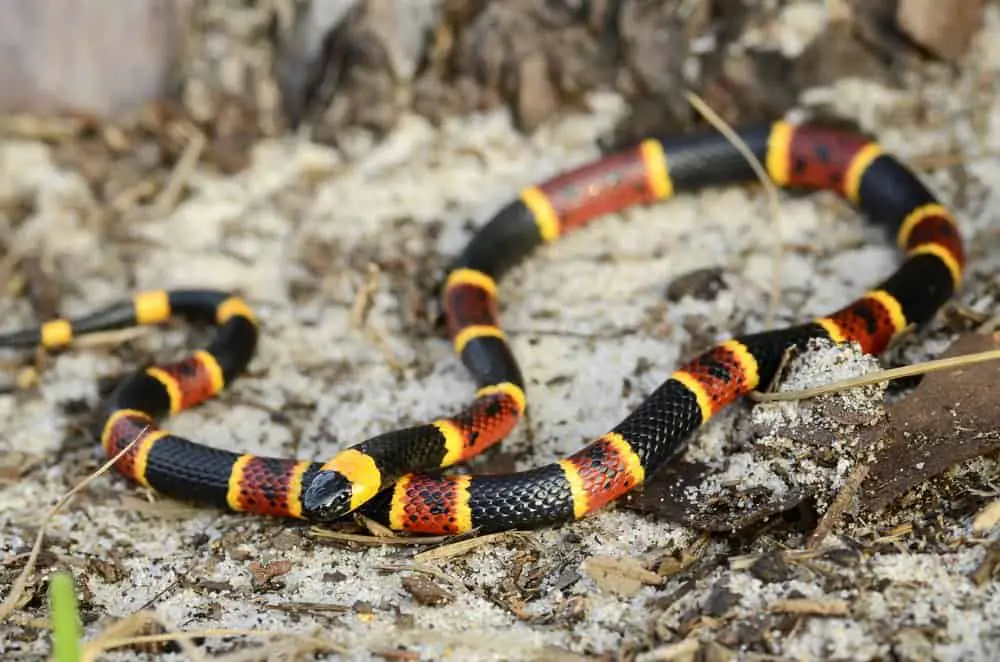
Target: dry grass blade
463, 546
894, 534
168, 197
308, 607
772, 194
116, 337
338, 536
365, 297
134, 628
423, 568
17, 588
377, 529
843, 501
883, 376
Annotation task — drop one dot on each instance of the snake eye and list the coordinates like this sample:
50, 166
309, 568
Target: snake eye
327, 498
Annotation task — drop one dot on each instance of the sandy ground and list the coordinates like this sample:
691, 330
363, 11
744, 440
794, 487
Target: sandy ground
296, 232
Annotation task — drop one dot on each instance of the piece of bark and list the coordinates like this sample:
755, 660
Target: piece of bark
943, 27
951, 417
97, 57
666, 495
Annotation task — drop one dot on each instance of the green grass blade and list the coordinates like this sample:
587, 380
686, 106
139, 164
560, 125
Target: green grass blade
65, 615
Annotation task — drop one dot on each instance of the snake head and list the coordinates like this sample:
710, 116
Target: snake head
328, 497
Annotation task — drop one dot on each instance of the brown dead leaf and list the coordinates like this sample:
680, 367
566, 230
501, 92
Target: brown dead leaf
621, 576
462, 547
674, 565
425, 591
951, 417
263, 573
665, 495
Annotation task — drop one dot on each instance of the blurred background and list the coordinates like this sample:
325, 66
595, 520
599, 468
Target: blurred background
238, 70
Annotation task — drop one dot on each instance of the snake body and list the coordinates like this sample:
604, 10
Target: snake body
394, 477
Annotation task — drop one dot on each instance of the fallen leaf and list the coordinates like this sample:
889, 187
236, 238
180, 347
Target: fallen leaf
425, 591
263, 573
666, 495
949, 418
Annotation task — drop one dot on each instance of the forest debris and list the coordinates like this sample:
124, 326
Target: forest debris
986, 570
264, 573
464, 546
667, 495
681, 651
425, 591
949, 418
700, 284
841, 503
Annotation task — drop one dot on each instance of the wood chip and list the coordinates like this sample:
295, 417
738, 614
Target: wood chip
841, 503
462, 547
682, 651
987, 518
988, 568
809, 607
670, 565
425, 592
263, 573
621, 576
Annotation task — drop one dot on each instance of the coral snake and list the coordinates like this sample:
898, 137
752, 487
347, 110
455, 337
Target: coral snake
395, 478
